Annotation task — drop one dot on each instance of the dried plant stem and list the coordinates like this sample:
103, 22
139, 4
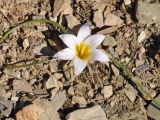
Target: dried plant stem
29, 23
135, 81
12, 66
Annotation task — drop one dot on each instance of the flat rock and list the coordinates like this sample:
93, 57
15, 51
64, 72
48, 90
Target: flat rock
115, 70
109, 41
127, 2
42, 109
107, 91
60, 6
71, 21
93, 113
21, 86
148, 13
130, 93
79, 100
141, 36
111, 19
51, 83
98, 18
153, 111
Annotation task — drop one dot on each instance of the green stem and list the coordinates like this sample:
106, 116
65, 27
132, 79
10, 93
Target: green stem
11, 66
26, 23
135, 81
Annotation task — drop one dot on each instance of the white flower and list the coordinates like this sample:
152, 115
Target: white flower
82, 48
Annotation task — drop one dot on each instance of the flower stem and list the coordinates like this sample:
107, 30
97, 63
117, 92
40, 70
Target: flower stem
27, 23
135, 81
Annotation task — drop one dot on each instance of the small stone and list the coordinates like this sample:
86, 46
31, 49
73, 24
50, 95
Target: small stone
37, 49
90, 93
58, 75
107, 91
71, 91
98, 18
115, 70
51, 83
130, 93
109, 41
139, 62
14, 98
142, 50
61, 6
25, 44
93, 113
119, 50
53, 66
152, 85
153, 111
127, 59
8, 105
111, 19
79, 100
42, 109
141, 36
22, 86
53, 93
126, 35
127, 2
71, 21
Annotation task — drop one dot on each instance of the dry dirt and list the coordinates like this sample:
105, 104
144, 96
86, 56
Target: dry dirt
99, 83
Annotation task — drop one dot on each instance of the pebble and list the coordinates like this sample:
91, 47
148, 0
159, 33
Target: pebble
93, 113
112, 20
139, 62
98, 18
115, 70
71, 91
53, 93
141, 36
42, 109
22, 86
60, 6
53, 65
130, 93
127, 2
71, 21
109, 41
107, 91
141, 69
80, 100
51, 83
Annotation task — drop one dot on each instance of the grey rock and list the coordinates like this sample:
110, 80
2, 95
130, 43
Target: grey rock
93, 113
98, 18
71, 21
153, 111
109, 41
148, 13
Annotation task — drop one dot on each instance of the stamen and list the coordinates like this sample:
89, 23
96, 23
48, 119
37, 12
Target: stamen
83, 51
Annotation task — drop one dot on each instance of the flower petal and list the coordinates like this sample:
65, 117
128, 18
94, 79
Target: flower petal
79, 65
99, 55
69, 40
83, 32
65, 54
95, 40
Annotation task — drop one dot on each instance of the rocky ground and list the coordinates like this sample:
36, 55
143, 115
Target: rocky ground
50, 90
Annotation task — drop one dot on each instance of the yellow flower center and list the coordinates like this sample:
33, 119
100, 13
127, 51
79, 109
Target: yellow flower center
83, 51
